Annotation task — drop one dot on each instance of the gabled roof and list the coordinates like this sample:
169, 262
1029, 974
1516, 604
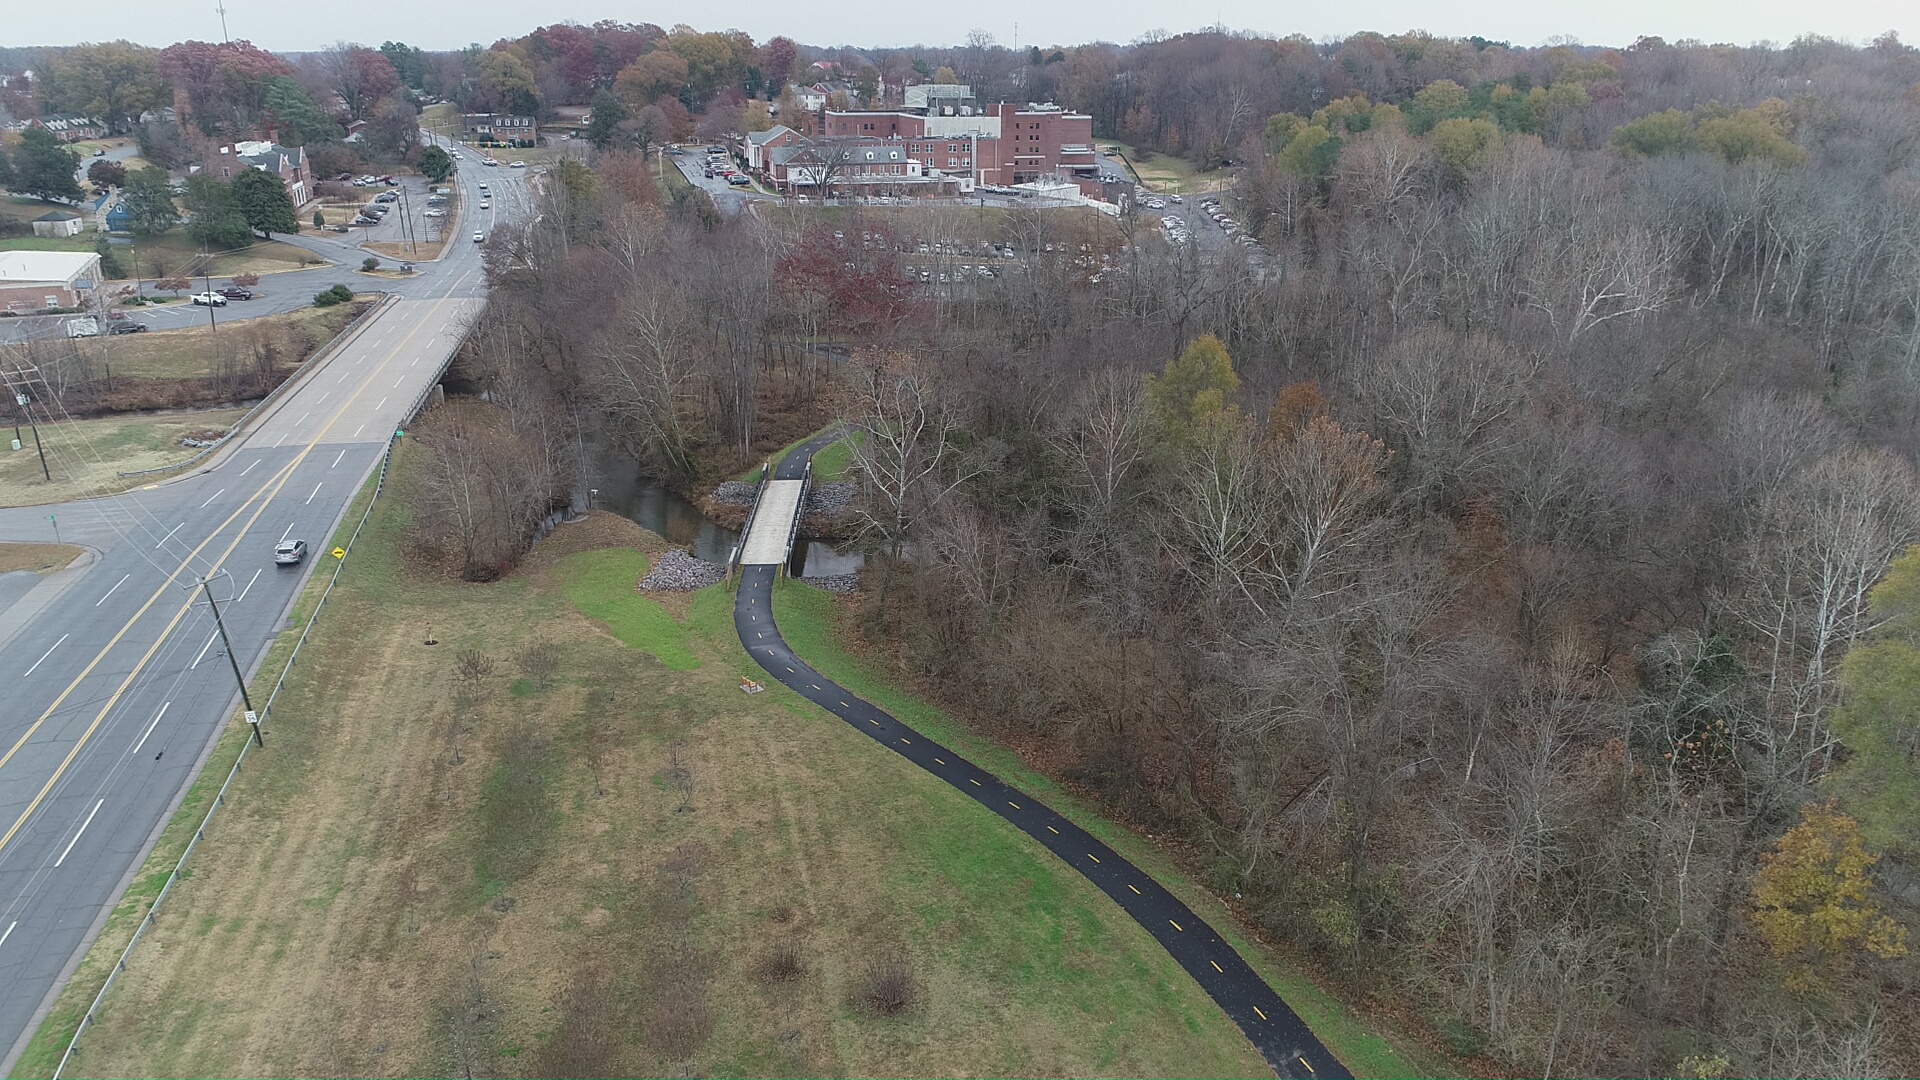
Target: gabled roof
58, 215
762, 138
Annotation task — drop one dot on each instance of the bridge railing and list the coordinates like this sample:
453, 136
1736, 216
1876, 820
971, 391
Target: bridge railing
740, 549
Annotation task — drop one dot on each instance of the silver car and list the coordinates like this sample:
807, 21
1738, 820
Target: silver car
290, 552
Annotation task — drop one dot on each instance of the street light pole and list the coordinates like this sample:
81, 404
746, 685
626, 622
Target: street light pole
226, 643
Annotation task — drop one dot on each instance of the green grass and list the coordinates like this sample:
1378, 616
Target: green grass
82, 242
601, 585
830, 464
809, 619
177, 252
752, 476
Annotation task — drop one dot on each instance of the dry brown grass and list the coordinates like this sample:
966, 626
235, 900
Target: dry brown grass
38, 558
422, 876
86, 457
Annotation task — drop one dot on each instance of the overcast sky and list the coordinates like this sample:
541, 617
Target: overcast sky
290, 26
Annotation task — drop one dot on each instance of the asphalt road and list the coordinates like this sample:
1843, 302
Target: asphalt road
120, 684
511, 198
1273, 1027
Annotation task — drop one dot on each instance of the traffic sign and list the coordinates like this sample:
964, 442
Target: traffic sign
339, 553
253, 718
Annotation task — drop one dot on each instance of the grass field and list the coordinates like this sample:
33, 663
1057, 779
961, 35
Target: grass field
37, 558
188, 353
1171, 175
85, 456
175, 251
810, 621
601, 858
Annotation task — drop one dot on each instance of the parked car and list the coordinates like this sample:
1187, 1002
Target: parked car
435, 214
739, 181
336, 228
387, 196
127, 328
209, 299
289, 552
479, 237
235, 292
485, 205
518, 165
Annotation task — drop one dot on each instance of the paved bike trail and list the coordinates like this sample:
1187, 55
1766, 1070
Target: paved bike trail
1273, 1027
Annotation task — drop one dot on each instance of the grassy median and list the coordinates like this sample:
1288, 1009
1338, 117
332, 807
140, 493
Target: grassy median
562, 841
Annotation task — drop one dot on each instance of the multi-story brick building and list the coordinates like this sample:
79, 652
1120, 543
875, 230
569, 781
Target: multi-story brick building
1002, 145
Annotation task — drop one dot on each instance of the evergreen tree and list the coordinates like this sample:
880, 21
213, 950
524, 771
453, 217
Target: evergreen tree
263, 201
214, 219
45, 169
435, 165
149, 202
608, 112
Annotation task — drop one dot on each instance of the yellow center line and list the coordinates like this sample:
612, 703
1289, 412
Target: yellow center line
276, 482
1177, 926
1258, 1013
1092, 856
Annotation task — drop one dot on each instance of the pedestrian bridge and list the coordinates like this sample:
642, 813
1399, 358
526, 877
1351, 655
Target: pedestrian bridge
776, 511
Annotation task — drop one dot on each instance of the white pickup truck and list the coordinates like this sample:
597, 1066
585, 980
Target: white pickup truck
84, 326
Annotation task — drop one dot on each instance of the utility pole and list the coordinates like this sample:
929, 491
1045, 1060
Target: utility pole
222, 9
20, 399
253, 718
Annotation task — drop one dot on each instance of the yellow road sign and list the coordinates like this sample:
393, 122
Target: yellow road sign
339, 553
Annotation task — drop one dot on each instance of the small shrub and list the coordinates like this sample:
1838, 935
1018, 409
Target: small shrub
540, 662
338, 294
782, 964
319, 220
369, 265
887, 986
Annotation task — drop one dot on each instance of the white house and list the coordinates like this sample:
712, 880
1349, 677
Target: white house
57, 223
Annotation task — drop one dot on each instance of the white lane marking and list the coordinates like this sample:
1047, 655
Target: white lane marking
336, 461
398, 381
316, 491
203, 650
289, 531
303, 417
382, 405
117, 584
323, 397
283, 438
212, 497
44, 655
156, 723
416, 359
78, 835
169, 536
249, 588
358, 430
249, 468
9, 931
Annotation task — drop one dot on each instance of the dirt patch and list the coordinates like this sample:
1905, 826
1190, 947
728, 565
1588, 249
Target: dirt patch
38, 558
85, 457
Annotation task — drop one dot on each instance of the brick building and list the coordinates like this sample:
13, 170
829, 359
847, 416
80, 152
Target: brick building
37, 280
1001, 145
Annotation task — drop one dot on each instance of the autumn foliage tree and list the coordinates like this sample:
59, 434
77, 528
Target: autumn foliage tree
1813, 902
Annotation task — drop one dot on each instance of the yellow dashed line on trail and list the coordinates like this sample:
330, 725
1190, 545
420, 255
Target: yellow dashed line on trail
1307, 1063
1217, 967
1258, 1013
1013, 804
905, 741
844, 705
1136, 890
816, 688
1092, 856
872, 721
1053, 830
942, 761
972, 781
789, 671
1177, 926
